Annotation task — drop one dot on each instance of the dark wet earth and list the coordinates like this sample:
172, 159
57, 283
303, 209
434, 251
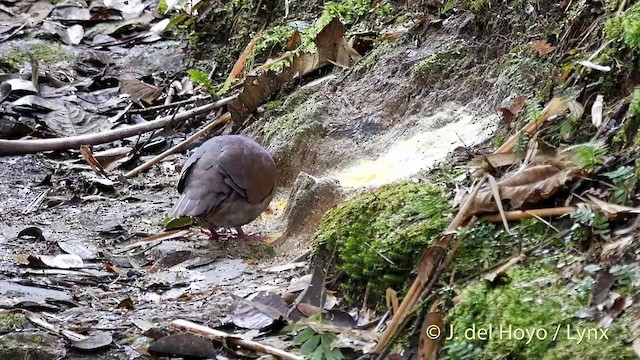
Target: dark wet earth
118, 286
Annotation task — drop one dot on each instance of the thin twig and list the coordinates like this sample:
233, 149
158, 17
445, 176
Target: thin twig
221, 120
167, 106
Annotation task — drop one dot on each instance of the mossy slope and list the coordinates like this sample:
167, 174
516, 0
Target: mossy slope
534, 299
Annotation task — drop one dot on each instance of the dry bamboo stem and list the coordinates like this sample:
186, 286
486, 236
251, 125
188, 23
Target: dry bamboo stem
221, 120
517, 215
221, 336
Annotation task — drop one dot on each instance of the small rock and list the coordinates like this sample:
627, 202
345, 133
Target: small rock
309, 200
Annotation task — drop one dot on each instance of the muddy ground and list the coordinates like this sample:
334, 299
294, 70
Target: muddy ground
372, 127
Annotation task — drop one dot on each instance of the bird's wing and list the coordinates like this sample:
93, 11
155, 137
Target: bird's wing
202, 185
249, 170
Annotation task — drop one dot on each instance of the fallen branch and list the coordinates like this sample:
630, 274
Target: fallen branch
518, 215
221, 120
19, 147
223, 337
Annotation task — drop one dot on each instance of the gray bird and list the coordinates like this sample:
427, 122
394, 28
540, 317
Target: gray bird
227, 182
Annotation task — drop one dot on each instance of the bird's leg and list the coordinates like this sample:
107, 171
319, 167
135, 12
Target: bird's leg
213, 234
242, 235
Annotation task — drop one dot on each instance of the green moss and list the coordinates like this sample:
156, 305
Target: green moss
444, 64
629, 133
626, 27
535, 299
379, 236
45, 53
293, 121
274, 38
286, 122
272, 105
486, 244
11, 321
20, 346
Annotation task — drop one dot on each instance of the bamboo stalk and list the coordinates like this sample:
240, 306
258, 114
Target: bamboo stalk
517, 215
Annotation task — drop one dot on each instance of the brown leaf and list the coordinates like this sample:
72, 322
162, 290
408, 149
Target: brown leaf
495, 161
613, 209
515, 107
308, 310
91, 160
139, 90
294, 41
541, 47
431, 335
125, 304
526, 186
238, 67
267, 80
600, 292
620, 304
113, 158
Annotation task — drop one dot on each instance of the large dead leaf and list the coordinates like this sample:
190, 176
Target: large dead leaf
258, 87
527, 186
38, 12
71, 121
139, 90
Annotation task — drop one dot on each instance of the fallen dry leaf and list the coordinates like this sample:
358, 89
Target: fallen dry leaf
541, 47
91, 160
267, 80
294, 41
515, 107
526, 186
392, 300
612, 209
139, 90
431, 333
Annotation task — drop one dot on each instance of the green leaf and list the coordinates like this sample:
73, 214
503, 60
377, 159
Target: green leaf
318, 354
162, 7
303, 336
565, 129
310, 345
337, 354
176, 223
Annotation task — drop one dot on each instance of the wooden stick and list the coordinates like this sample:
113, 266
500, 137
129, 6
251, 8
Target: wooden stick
517, 215
222, 119
19, 147
221, 336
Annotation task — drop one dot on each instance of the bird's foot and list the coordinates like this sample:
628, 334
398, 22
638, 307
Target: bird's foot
244, 236
218, 234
